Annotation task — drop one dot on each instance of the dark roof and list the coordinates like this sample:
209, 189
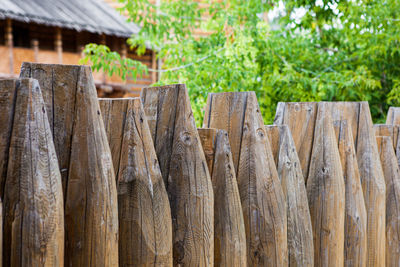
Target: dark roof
81, 15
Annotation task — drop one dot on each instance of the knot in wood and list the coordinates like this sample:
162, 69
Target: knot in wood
186, 138
261, 133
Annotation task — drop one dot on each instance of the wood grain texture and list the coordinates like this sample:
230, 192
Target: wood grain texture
145, 225
325, 190
1, 233
229, 231
392, 179
370, 169
373, 183
33, 226
185, 173
392, 131
91, 215
263, 202
393, 116
300, 237
300, 118
355, 223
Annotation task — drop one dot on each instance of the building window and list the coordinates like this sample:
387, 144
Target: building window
21, 36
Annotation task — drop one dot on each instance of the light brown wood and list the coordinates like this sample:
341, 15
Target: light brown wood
33, 228
393, 116
300, 237
263, 202
300, 118
373, 183
145, 225
355, 223
389, 130
185, 173
370, 169
326, 193
229, 231
91, 215
392, 179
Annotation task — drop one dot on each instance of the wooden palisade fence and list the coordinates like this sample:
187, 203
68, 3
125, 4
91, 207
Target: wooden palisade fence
185, 173
145, 226
300, 236
133, 182
33, 227
91, 216
261, 194
302, 119
229, 233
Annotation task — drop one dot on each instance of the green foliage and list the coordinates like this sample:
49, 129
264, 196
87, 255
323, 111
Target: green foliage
336, 51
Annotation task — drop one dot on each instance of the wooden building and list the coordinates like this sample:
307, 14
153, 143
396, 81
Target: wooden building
56, 31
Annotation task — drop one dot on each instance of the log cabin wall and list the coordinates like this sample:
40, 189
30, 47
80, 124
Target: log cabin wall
38, 43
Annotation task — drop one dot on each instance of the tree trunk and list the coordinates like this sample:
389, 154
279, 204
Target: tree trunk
184, 169
392, 178
33, 228
261, 195
229, 231
91, 216
145, 226
300, 237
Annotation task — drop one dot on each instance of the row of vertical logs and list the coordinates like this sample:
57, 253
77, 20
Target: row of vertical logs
133, 182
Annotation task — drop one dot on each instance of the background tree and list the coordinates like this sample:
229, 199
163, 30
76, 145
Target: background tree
311, 51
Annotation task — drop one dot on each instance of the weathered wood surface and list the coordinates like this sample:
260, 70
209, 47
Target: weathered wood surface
326, 193
355, 223
261, 194
229, 231
184, 169
300, 117
145, 225
91, 216
33, 226
392, 178
393, 116
300, 237
370, 169
393, 132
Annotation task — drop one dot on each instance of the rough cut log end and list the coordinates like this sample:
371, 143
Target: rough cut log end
33, 202
145, 226
392, 179
300, 237
229, 231
260, 191
91, 216
185, 173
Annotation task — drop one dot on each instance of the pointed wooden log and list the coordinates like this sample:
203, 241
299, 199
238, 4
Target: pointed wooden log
91, 216
33, 228
389, 130
392, 178
355, 223
300, 237
300, 117
325, 190
393, 116
370, 169
263, 202
184, 169
373, 183
145, 225
229, 231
